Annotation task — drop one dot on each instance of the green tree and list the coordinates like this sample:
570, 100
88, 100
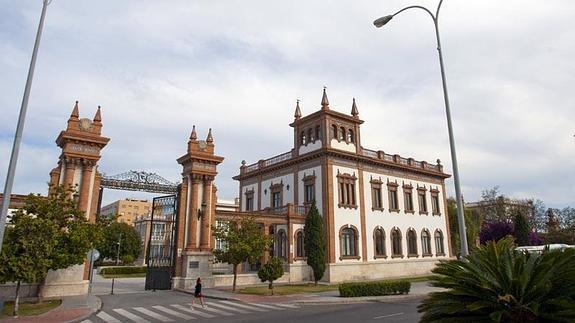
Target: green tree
271, 271
73, 236
472, 226
499, 284
126, 235
26, 251
521, 230
244, 241
314, 242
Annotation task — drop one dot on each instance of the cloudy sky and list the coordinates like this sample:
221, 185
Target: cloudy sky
159, 67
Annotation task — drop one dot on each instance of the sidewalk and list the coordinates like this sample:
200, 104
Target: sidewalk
418, 290
72, 309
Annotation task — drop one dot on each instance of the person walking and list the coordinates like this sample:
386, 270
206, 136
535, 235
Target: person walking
198, 293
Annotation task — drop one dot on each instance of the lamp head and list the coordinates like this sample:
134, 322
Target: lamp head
382, 21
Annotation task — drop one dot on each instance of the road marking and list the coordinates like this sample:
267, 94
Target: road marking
244, 306
129, 315
271, 307
229, 308
153, 314
174, 313
390, 315
86, 321
107, 317
209, 309
286, 305
194, 311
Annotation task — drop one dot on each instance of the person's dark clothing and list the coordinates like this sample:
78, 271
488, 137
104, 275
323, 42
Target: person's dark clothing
198, 291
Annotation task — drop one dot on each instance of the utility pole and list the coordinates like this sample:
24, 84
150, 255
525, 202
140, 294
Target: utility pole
20, 128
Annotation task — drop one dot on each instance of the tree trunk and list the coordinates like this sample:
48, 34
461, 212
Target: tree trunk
315, 282
41, 290
235, 277
271, 287
16, 300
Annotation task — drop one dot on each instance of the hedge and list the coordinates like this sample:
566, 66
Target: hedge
377, 288
123, 270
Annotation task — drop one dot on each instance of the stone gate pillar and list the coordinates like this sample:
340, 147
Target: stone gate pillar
196, 258
77, 169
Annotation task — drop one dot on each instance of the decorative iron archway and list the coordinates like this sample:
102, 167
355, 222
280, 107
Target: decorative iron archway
160, 254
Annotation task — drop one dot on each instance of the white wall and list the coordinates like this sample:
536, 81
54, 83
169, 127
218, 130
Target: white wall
310, 146
287, 194
342, 145
346, 216
402, 220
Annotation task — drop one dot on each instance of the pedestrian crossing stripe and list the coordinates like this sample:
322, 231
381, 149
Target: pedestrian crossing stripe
168, 313
130, 316
174, 313
155, 315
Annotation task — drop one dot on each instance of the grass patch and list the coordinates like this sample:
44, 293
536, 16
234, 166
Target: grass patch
30, 309
288, 289
136, 275
417, 279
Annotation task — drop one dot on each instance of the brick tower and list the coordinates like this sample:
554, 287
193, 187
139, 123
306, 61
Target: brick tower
77, 169
197, 207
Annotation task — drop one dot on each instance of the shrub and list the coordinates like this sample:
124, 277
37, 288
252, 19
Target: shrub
123, 270
498, 284
128, 259
378, 288
271, 271
495, 231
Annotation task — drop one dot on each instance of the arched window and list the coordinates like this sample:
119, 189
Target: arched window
310, 137
271, 232
299, 250
334, 131
396, 243
425, 243
348, 242
439, 251
411, 243
341, 134
281, 244
317, 133
379, 242
350, 135
302, 138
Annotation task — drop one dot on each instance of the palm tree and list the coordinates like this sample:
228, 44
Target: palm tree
499, 284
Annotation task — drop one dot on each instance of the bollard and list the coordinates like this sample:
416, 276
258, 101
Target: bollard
112, 292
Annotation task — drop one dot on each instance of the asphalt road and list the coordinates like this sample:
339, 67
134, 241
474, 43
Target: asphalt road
171, 306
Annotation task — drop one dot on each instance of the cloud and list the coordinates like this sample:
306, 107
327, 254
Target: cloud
158, 67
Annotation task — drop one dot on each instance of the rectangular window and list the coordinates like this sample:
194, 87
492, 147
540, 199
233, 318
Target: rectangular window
435, 202
392, 194
276, 195
308, 189
376, 201
408, 198
422, 201
276, 199
346, 185
249, 200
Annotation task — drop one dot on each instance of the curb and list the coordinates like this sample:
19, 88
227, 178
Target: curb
209, 296
92, 310
358, 300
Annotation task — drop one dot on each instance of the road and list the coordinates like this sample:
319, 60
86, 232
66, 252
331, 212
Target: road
130, 303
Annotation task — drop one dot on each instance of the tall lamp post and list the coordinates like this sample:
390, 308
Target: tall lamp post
20, 127
460, 214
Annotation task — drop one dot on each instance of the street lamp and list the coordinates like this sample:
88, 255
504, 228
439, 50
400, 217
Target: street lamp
460, 214
119, 243
20, 127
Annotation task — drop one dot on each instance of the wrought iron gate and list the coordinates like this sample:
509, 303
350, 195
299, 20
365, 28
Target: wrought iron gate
161, 254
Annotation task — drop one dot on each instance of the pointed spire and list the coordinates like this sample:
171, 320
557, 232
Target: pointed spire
76, 112
210, 138
98, 116
297, 114
354, 111
324, 101
193, 136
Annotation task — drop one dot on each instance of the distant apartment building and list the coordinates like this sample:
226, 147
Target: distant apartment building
127, 210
